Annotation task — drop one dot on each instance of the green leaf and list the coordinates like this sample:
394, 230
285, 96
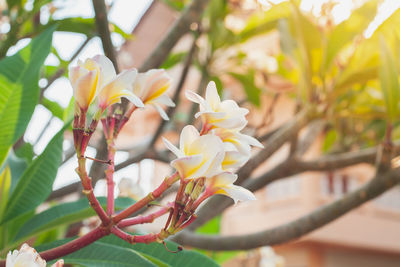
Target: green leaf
65, 213
264, 22
102, 254
345, 32
389, 80
19, 75
25, 151
9, 229
53, 107
211, 227
252, 91
36, 182
76, 24
5, 183
330, 139
17, 166
173, 59
183, 258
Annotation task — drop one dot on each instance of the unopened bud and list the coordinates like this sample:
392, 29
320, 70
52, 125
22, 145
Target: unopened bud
189, 188
198, 189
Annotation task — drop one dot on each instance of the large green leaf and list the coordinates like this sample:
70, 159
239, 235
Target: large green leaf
5, 183
348, 29
19, 75
53, 107
36, 182
158, 251
389, 80
65, 213
101, 254
262, 23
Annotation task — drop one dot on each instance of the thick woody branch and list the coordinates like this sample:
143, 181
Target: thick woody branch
191, 14
287, 168
275, 142
299, 227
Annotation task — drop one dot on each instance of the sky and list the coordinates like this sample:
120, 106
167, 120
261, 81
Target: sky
125, 14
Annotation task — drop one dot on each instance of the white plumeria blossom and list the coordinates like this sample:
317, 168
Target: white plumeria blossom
226, 114
198, 156
96, 77
27, 257
222, 183
237, 147
241, 142
151, 88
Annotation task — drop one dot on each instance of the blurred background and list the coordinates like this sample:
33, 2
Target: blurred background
276, 58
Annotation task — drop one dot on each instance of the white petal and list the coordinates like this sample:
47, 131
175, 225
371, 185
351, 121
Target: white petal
107, 68
232, 106
234, 159
212, 96
85, 89
251, 140
189, 167
223, 179
133, 98
164, 99
192, 96
211, 114
231, 122
117, 88
173, 148
75, 72
188, 135
127, 77
208, 144
238, 193
215, 166
162, 113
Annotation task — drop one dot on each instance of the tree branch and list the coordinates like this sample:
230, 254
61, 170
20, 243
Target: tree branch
287, 168
299, 227
103, 30
273, 144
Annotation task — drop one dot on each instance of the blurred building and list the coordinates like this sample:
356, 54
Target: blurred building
367, 237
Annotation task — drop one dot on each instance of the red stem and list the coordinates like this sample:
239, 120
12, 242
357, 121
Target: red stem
88, 190
110, 169
74, 245
147, 199
132, 239
144, 219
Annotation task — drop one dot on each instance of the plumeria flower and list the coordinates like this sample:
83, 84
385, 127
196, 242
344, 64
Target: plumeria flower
234, 159
198, 156
236, 141
151, 87
97, 77
222, 183
226, 114
27, 257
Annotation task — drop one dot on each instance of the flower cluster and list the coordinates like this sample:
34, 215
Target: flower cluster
28, 257
95, 80
206, 159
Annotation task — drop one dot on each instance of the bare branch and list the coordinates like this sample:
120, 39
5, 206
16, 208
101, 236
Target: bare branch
299, 227
100, 11
273, 144
287, 168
